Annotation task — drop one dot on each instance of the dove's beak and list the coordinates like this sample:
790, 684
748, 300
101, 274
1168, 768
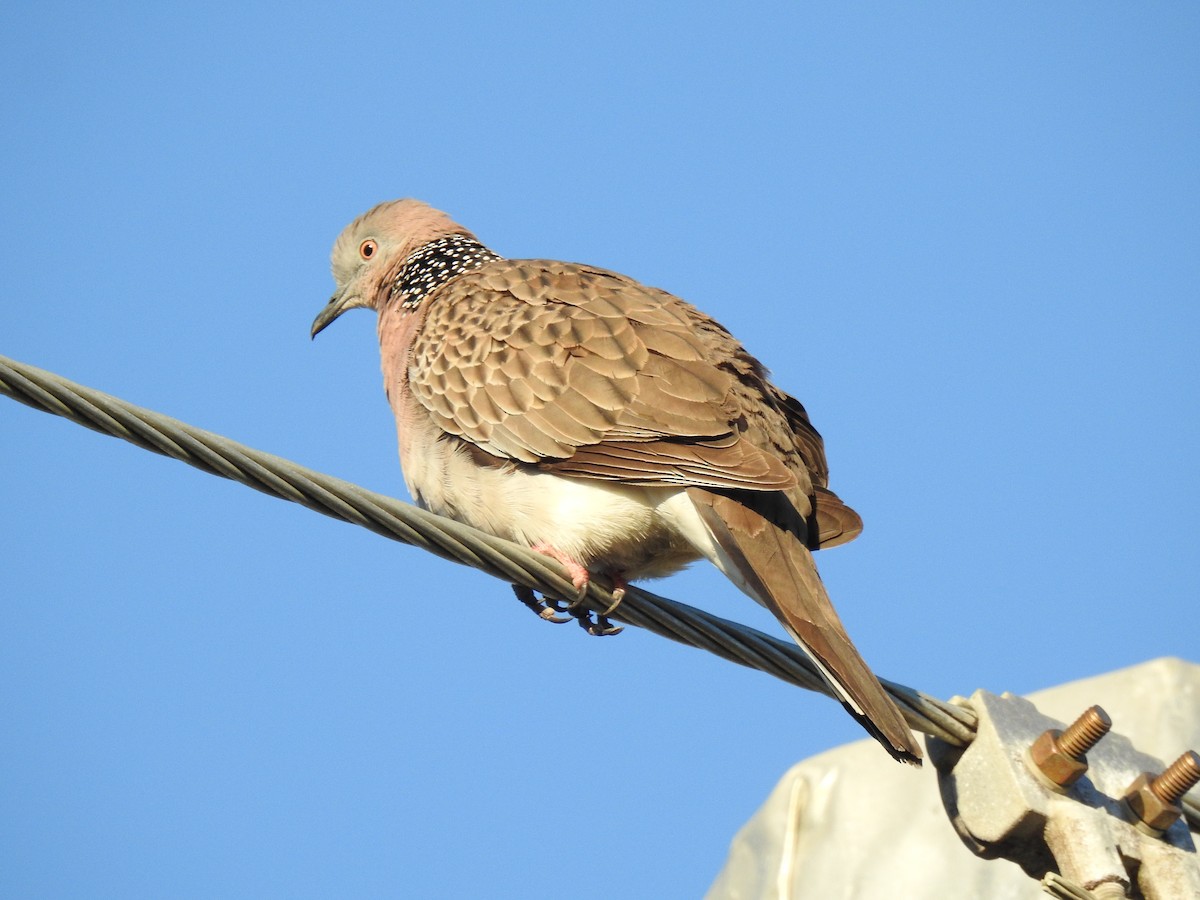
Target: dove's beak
337, 305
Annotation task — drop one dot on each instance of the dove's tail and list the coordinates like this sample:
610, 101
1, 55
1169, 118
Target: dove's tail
766, 558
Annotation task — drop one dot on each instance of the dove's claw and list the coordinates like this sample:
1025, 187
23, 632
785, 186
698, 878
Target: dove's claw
604, 628
544, 610
598, 626
601, 627
618, 594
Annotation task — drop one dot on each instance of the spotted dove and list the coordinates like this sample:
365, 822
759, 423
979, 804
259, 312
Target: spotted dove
606, 423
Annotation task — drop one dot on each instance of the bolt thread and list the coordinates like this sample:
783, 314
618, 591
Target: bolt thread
1181, 776
1082, 734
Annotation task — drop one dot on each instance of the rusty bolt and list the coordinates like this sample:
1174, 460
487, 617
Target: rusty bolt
1181, 776
1154, 800
1059, 755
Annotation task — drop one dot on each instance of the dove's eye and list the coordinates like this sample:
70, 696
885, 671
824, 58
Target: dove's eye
368, 249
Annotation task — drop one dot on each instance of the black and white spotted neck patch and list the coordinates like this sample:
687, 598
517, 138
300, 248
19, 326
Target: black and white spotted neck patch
436, 263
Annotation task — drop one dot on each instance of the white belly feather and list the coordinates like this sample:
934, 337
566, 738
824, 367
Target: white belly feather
642, 532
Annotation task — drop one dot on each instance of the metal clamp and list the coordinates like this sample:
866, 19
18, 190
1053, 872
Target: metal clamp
1078, 801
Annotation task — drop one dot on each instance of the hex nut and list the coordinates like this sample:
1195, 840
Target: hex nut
1149, 808
1048, 757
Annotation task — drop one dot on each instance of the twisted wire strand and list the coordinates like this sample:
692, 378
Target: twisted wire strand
446, 538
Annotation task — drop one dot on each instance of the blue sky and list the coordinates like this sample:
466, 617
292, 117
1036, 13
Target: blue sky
964, 236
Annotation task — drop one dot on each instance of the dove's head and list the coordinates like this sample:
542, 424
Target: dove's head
368, 254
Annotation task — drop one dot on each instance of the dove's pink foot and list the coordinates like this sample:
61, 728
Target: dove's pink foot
580, 578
